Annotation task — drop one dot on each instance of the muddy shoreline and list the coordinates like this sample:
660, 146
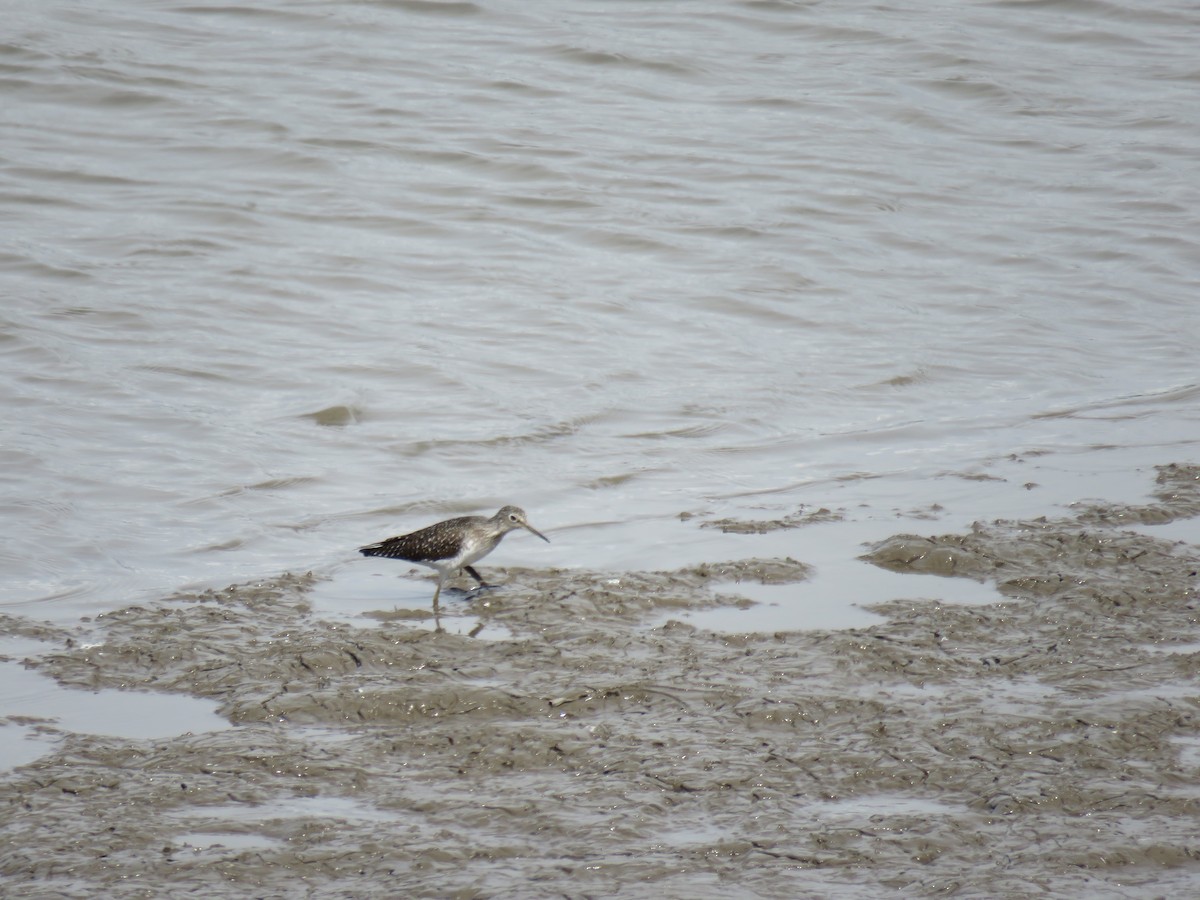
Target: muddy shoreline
1048, 744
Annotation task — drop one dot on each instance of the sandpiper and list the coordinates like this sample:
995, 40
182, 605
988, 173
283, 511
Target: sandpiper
454, 544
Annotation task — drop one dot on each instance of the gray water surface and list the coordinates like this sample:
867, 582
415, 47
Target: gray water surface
282, 279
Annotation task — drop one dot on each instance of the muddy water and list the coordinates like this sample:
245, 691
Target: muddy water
1046, 743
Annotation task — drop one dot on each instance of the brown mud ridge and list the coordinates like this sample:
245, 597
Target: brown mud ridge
1048, 744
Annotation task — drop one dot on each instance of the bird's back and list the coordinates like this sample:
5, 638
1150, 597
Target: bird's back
436, 542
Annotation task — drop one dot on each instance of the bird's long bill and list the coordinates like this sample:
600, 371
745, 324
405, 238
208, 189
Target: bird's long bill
535, 531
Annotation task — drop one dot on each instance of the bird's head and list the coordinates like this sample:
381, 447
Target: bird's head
513, 517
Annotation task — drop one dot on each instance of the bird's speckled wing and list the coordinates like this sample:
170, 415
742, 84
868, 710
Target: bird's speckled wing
440, 541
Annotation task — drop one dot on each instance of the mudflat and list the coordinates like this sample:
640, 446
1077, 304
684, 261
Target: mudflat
1046, 744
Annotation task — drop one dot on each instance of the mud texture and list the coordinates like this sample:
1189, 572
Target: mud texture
1045, 745
798, 519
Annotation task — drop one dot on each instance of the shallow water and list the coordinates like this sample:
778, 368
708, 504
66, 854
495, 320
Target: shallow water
30, 695
282, 281
38, 711
362, 594
387, 262
1044, 742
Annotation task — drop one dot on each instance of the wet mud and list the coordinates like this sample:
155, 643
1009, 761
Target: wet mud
1046, 744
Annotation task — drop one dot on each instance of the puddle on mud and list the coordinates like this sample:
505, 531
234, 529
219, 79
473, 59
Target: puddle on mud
1189, 752
362, 595
128, 714
867, 807
38, 710
1038, 740
1184, 649
775, 607
836, 594
1186, 531
224, 840
318, 807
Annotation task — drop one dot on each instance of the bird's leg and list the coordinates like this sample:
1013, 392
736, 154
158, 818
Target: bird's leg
475, 575
437, 612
